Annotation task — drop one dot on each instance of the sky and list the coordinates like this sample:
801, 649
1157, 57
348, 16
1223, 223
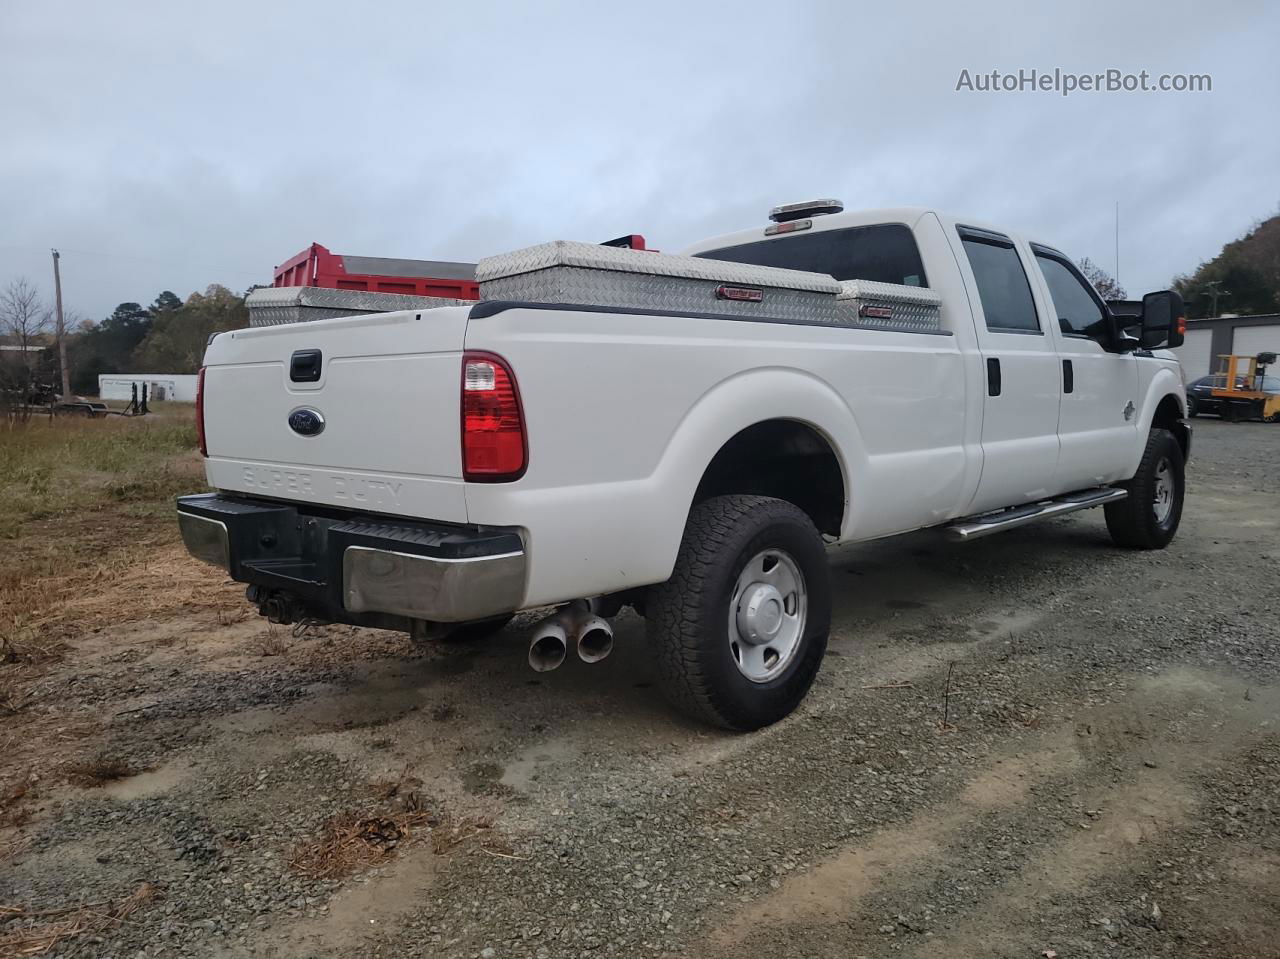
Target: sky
171, 145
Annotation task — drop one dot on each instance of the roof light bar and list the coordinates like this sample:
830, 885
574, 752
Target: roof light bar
796, 211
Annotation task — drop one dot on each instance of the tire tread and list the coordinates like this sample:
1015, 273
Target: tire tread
715, 531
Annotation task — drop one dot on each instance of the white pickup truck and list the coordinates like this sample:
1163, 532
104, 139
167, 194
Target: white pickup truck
684, 435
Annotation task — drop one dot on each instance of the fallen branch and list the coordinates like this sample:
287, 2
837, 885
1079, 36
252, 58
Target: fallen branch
901, 685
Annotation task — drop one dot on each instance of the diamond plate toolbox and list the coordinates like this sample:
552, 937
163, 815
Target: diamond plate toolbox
590, 275
868, 305
274, 305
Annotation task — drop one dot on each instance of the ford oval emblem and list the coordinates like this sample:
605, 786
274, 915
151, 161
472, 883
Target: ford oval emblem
306, 422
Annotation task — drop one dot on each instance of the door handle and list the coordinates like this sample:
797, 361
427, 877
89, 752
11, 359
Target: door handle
1068, 377
993, 377
304, 366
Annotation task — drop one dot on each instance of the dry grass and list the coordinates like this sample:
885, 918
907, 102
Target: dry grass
29, 649
161, 582
354, 841
357, 840
49, 467
86, 507
38, 932
275, 643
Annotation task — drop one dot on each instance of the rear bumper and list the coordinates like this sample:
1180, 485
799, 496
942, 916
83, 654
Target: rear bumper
365, 570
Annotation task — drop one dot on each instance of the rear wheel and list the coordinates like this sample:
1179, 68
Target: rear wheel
1149, 516
1193, 408
741, 627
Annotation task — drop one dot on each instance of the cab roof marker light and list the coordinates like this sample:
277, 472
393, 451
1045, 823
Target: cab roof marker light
798, 211
791, 226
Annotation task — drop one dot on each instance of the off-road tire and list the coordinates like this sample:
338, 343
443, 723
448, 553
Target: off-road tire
1132, 521
688, 616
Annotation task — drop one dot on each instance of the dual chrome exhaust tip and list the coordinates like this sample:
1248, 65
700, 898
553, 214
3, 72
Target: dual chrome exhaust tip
590, 634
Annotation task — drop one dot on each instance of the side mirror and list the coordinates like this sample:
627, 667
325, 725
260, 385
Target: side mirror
1164, 320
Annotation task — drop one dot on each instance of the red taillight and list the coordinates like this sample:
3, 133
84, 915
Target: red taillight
494, 447
204, 447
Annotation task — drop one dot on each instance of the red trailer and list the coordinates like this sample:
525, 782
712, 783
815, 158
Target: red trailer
316, 266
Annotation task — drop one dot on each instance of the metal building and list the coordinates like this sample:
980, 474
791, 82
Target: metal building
1222, 335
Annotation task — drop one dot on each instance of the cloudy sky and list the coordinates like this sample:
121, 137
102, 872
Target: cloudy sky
170, 145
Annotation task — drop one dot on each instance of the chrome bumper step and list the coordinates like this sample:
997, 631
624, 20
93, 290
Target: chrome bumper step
975, 527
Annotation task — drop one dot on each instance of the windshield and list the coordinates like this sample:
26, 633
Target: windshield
886, 253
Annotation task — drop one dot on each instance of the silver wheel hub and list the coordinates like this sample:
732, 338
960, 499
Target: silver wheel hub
760, 614
767, 615
1162, 498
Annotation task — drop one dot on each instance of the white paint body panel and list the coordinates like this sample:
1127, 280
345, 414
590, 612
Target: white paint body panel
389, 396
624, 412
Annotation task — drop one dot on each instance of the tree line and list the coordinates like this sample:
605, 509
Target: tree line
168, 336
1244, 278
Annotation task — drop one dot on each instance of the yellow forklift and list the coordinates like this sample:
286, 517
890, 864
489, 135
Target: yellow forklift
1241, 394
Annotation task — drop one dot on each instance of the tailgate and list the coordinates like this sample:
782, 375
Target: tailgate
386, 402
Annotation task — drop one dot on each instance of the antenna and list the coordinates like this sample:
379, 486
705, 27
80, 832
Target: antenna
1117, 242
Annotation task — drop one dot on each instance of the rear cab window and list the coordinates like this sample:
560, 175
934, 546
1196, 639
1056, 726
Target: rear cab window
1003, 288
885, 252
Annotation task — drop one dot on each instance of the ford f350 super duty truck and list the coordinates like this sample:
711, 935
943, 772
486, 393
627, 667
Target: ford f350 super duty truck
684, 435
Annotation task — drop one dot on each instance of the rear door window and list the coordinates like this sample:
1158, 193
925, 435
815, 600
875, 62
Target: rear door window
1002, 284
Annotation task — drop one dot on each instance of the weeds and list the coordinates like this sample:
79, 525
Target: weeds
272, 644
48, 466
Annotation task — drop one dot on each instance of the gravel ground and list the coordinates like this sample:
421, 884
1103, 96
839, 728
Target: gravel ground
1032, 745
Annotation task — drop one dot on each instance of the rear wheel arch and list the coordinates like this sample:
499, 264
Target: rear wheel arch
782, 458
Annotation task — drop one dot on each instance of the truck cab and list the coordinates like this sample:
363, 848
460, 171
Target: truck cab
1055, 393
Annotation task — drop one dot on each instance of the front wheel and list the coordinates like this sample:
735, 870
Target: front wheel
741, 626
1149, 516
1193, 408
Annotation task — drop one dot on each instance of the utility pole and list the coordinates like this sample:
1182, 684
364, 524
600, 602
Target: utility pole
1214, 290
61, 329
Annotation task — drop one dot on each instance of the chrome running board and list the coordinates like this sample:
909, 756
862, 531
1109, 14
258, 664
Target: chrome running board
975, 527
